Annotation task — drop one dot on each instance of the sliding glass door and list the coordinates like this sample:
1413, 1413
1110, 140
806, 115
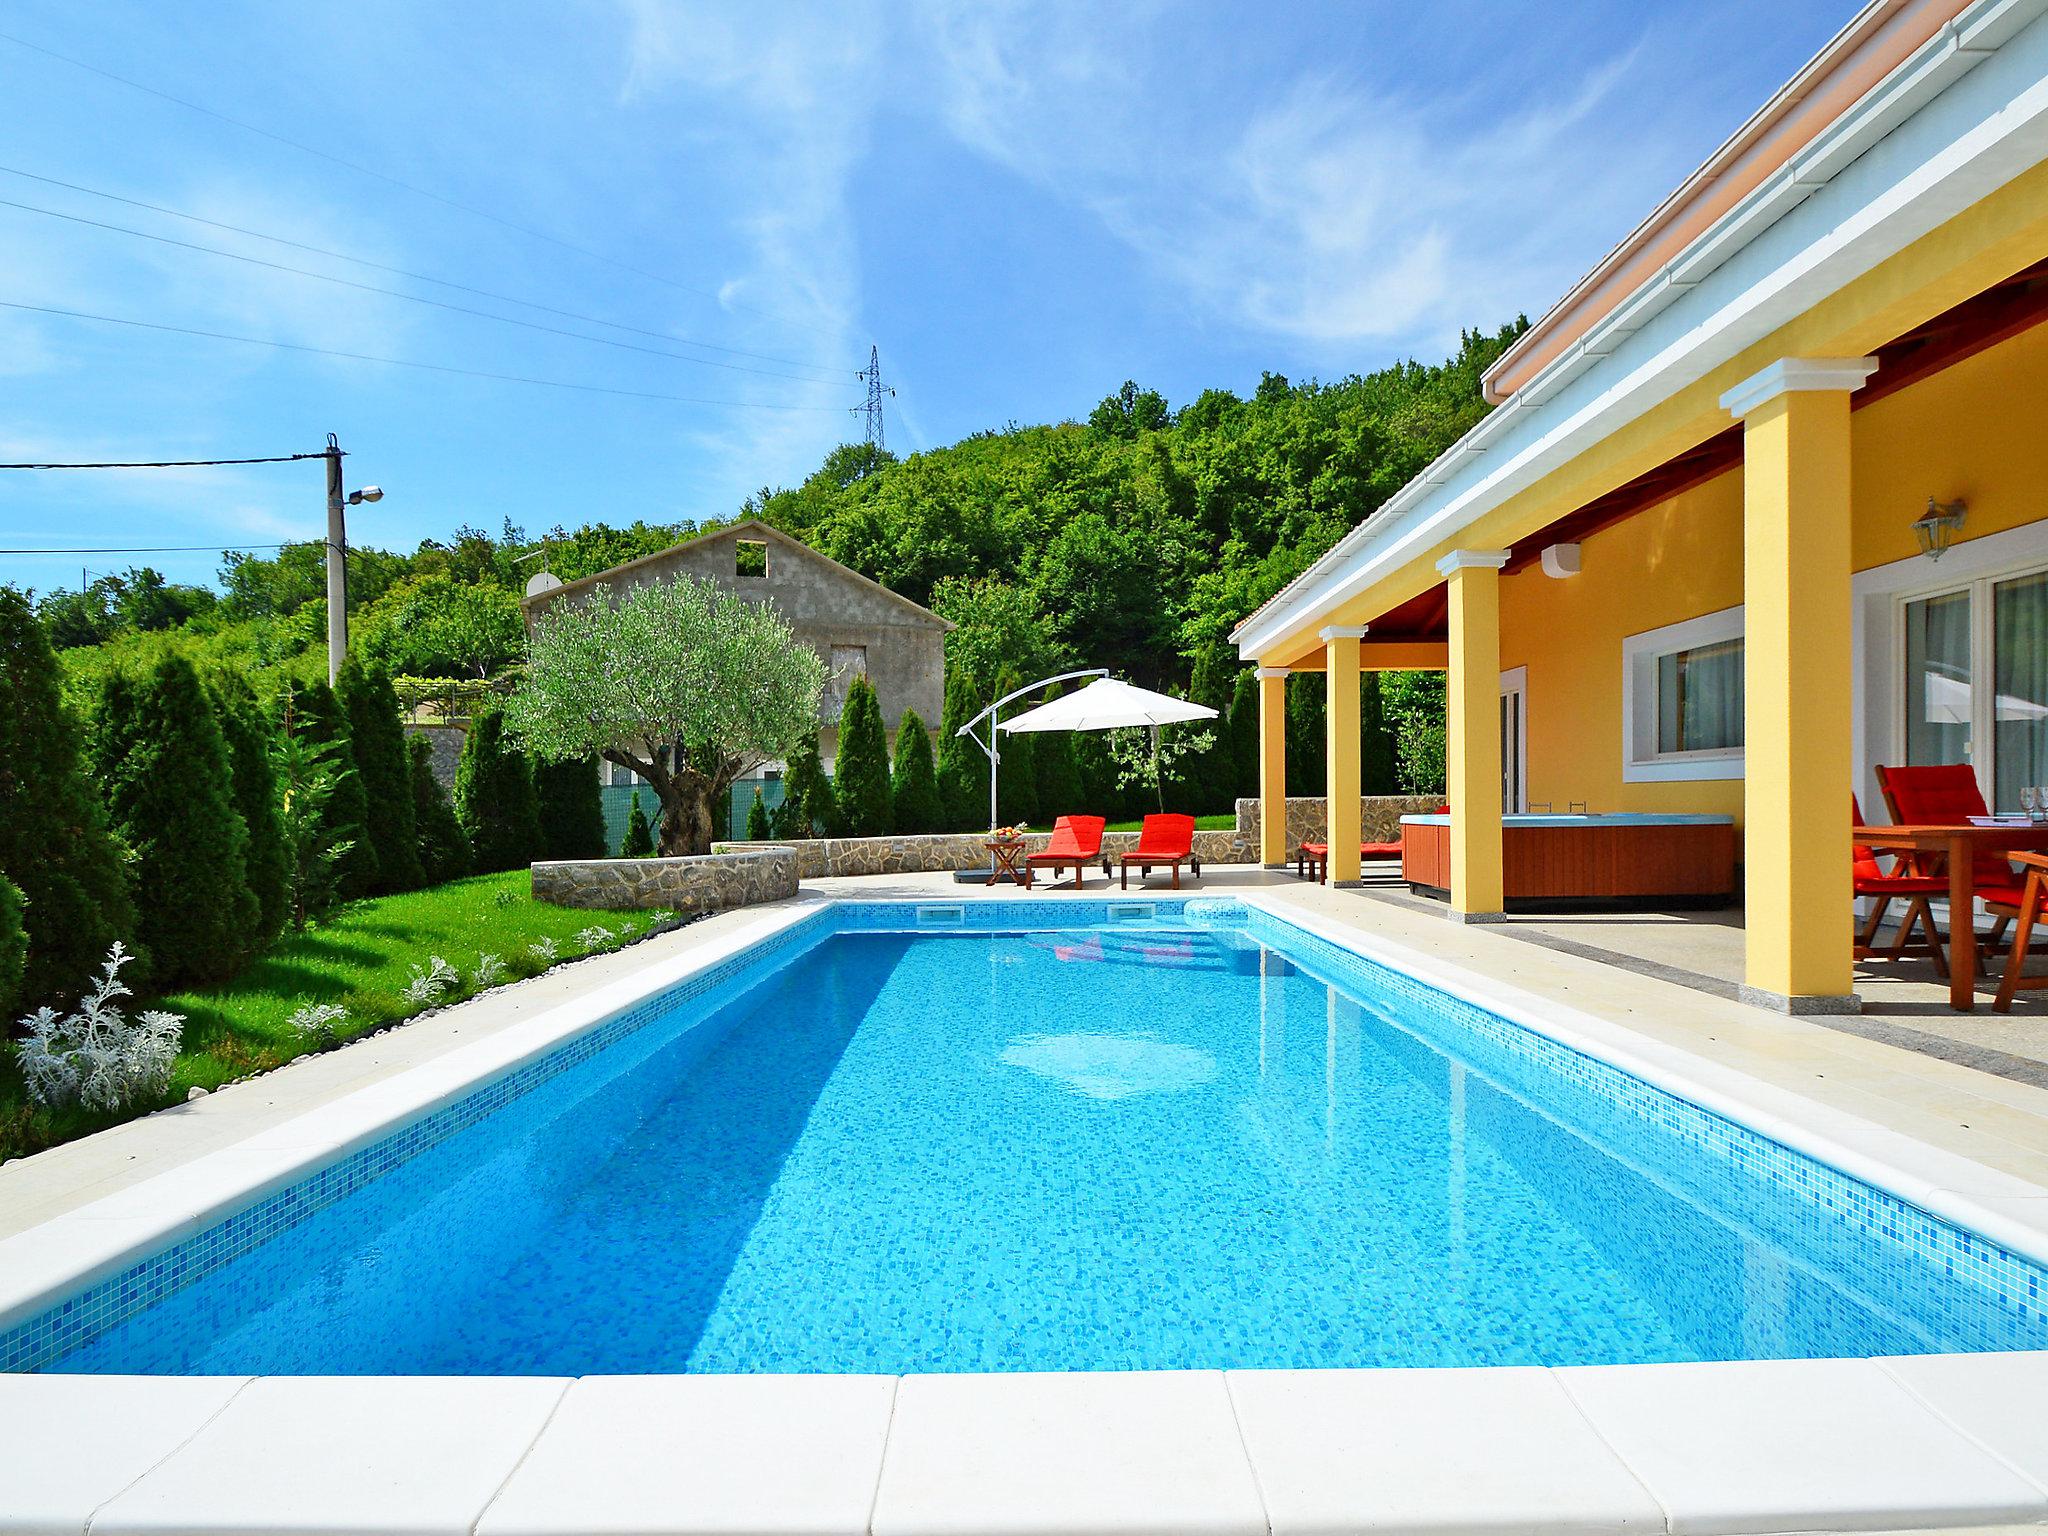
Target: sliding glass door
2019, 658
1976, 681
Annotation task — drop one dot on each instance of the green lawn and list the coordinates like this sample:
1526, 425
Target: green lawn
360, 959
1226, 823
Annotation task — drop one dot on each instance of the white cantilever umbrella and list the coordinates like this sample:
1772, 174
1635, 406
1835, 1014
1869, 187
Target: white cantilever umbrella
1104, 705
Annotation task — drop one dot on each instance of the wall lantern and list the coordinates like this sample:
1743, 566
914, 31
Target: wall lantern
1561, 560
1936, 528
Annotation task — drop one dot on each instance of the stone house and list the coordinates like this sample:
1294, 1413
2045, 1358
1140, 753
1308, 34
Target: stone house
858, 627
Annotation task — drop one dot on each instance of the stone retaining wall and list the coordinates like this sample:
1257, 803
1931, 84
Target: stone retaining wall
912, 854
1308, 818
700, 884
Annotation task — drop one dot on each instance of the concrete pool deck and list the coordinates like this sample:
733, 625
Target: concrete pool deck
1919, 1443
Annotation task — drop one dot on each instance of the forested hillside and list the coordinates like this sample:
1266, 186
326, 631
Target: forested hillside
1134, 540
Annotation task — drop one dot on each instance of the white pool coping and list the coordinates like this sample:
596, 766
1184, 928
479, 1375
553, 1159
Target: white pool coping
1918, 1443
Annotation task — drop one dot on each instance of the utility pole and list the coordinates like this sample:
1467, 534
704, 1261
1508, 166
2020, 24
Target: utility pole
872, 374
337, 562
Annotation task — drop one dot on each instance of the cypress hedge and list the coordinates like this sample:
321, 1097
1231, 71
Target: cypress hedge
860, 777
639, 843
13, 948
1244, 732
807, 796
54, 840
758, 830
249, 740
494, 798
962, 765
443, 848
571, 809
377, 740
914, 802
1058, 774
1017, 774
315, 717
164, 770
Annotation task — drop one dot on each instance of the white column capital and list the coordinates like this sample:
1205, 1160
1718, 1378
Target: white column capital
1331, 632
1265, 672
1791, 375
1472, 560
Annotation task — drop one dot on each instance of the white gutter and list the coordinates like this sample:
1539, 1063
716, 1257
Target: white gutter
1422, 512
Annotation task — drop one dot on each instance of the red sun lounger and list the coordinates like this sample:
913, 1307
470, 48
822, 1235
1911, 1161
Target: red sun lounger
1166, 842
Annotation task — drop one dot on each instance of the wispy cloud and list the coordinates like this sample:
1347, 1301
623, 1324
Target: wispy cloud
1335, 210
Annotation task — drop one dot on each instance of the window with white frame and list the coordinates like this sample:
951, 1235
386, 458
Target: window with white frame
1682, 700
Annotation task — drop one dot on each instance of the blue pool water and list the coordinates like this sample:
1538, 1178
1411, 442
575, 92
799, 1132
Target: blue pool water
1181, 1144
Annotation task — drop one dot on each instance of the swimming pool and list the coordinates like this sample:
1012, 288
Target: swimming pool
1063, 1135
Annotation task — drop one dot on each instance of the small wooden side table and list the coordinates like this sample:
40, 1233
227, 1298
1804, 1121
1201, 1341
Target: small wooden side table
1008, 854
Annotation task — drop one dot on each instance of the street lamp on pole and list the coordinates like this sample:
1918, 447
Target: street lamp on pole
337, 554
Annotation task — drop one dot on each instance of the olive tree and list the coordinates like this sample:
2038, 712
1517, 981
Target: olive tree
681, 681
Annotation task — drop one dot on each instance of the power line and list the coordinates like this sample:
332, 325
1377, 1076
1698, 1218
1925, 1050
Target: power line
282, 458
400, 362
410, 298
158, 549
383, 176
418, 277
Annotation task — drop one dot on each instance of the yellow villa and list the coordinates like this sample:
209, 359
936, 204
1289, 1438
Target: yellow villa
1763, 503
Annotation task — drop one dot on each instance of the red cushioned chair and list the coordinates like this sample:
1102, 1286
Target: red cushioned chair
1076, 841
1313, 861
1946, 795
1883, 887
1166, 841
2030, 909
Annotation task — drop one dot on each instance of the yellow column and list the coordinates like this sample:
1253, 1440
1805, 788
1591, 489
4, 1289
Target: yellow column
1341, 781
1798, 682
1273, 849
1472, 759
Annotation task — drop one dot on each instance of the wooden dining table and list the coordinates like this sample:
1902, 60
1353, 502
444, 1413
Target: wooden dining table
1959, 844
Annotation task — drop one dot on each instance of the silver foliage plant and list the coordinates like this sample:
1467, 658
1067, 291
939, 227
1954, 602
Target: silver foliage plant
98, 1057
544, 950
319, 1023
596, 937
488, 971
431, 980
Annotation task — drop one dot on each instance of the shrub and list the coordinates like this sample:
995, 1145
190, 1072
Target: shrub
639, 843
163, 768
860, 776
571, 809
962, 765
96, 1057
812, 802
13, 945
316, 719
494, 798
914, 784
488, 971
54, 840
444, 849
377, 742
757, 820
249, 741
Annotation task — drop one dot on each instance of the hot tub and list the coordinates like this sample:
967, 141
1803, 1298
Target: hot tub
1646, 860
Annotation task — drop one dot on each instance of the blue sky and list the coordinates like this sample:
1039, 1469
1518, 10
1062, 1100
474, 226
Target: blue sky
1021, 204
